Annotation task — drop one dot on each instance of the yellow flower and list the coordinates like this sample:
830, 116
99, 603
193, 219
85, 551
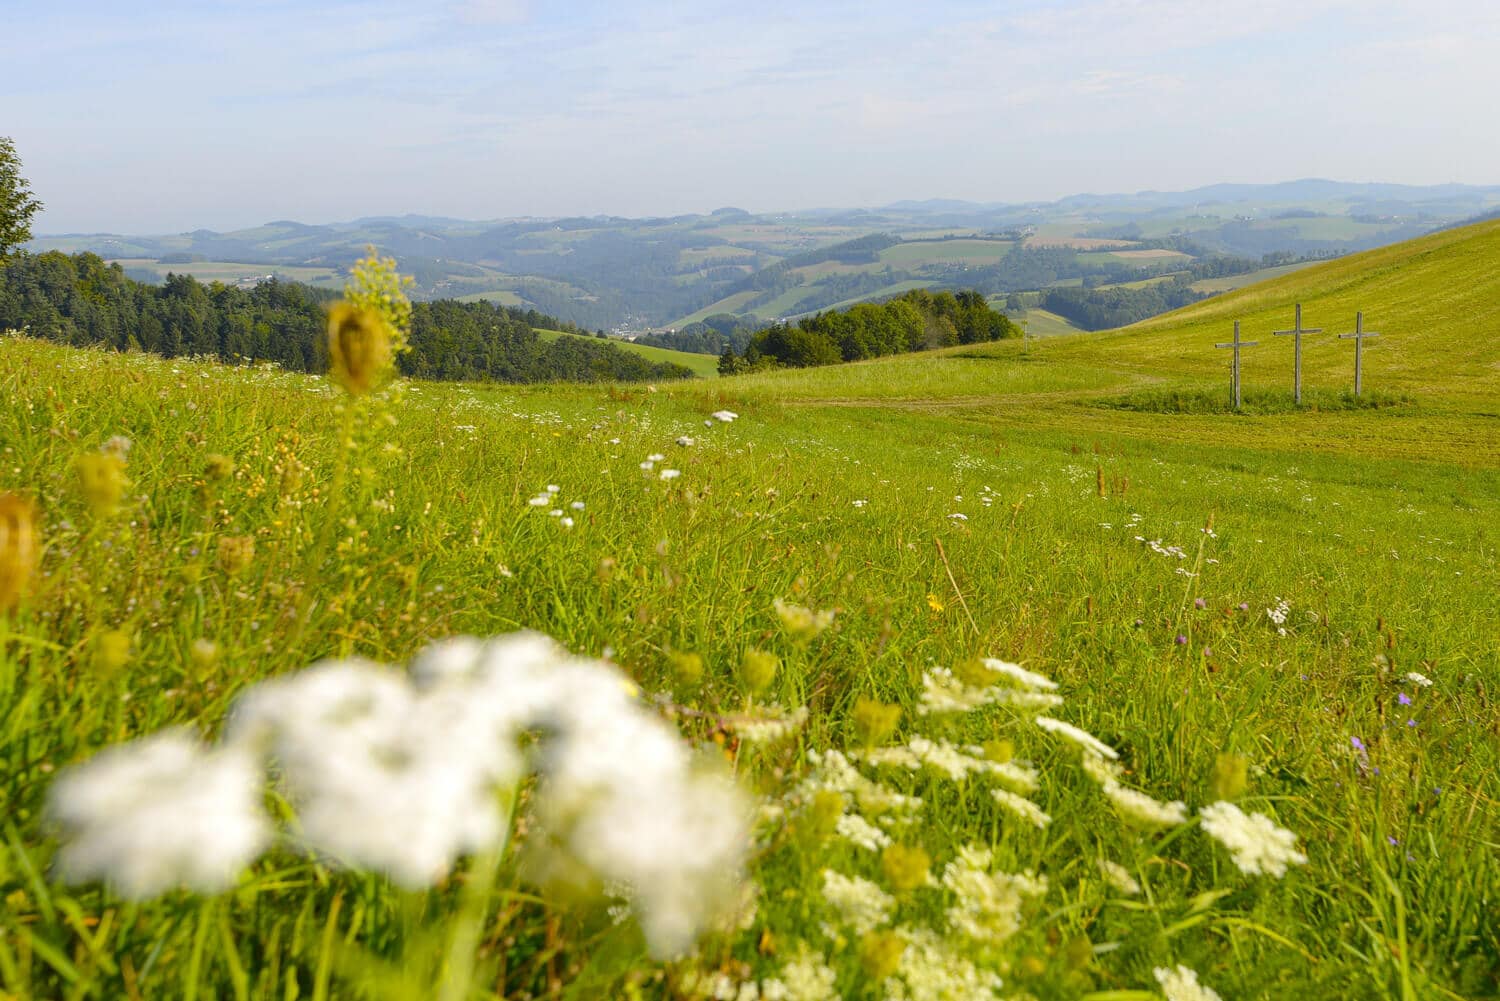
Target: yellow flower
934, 603
101, 479
880, 954
18, 548
359, 348
905, 867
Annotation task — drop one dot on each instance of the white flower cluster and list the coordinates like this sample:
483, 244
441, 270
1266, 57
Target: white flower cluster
932, 970
1257, 845
1119, 877
943, 692
861, 904
987, 906
404, 774
771, 725
1181, 984
861, 833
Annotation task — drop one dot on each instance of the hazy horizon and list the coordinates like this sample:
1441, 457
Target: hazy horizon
210, 118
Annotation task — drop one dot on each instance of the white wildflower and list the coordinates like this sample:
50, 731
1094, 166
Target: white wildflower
806, 978
860, 832
1181, 984
540, 500
987, 906
861, 904
670, 474
1021, 807
932, 970
725, 416
1100, 769
770, 727
1119, 877
159, 813
553, 488
860, 503
1141, 810
685, 441
655, 457
576, 505
566, 522
895, 757
1257, 845
648, 465
1421, 680
1021, 676
958, 516
1082, 738
802, 622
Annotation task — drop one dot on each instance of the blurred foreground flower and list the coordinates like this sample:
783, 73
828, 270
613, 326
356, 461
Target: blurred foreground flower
359, 348
18, 548
405, 773
1257, 845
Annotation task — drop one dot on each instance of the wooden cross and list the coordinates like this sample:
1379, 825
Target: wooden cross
1234, 367
1297, 331
1359, 335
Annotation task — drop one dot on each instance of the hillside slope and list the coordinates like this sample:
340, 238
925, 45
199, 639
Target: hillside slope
1434, 300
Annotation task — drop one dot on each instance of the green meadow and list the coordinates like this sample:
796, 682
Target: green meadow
1303, 598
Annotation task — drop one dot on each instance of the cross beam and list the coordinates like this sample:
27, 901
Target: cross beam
1234, 366
1359, 335
1296, 333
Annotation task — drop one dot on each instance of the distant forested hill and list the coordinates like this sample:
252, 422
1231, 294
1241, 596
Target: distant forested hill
82, 300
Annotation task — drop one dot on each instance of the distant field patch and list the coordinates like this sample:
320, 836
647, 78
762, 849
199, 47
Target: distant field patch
1229, 282
1146, 255
500, 297
695, 256
230, 271
1076, 242
946, 251
703, 366
1254, 401
728, 304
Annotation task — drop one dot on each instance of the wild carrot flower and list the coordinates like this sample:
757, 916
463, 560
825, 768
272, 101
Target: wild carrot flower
1119, 877
987, 906
1420, 680
1021, 807
1256, 844
802, 622
159, 813
860, 904
1140, 810
1082, 738
1181, 984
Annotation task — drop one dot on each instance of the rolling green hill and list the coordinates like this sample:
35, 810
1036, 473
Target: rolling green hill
704, 366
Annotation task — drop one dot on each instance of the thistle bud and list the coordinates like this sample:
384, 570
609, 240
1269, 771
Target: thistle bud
359, 348
18, 548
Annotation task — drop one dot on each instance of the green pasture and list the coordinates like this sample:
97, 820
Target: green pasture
1132, 555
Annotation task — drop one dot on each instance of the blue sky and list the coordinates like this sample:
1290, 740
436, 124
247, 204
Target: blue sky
173, 115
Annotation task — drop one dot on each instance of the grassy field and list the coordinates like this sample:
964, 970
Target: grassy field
228, 272
921, 252
1231, 282
1212, 592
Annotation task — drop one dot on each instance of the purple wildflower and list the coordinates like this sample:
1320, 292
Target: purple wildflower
1411, 722
1404, 699
1199, 603
1359, 745
1181, 640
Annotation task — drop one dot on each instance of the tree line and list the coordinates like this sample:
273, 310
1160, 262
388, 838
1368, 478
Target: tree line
81, 300
914, 321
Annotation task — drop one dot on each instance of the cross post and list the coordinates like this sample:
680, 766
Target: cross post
1359, 335
1234, 366
1296, 332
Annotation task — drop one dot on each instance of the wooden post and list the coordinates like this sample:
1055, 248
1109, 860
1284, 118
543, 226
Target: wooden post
1297, 331
1359, 335
1234, 366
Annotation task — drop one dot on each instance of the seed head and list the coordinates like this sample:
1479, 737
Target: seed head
236, 552
758, 669
874, 722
